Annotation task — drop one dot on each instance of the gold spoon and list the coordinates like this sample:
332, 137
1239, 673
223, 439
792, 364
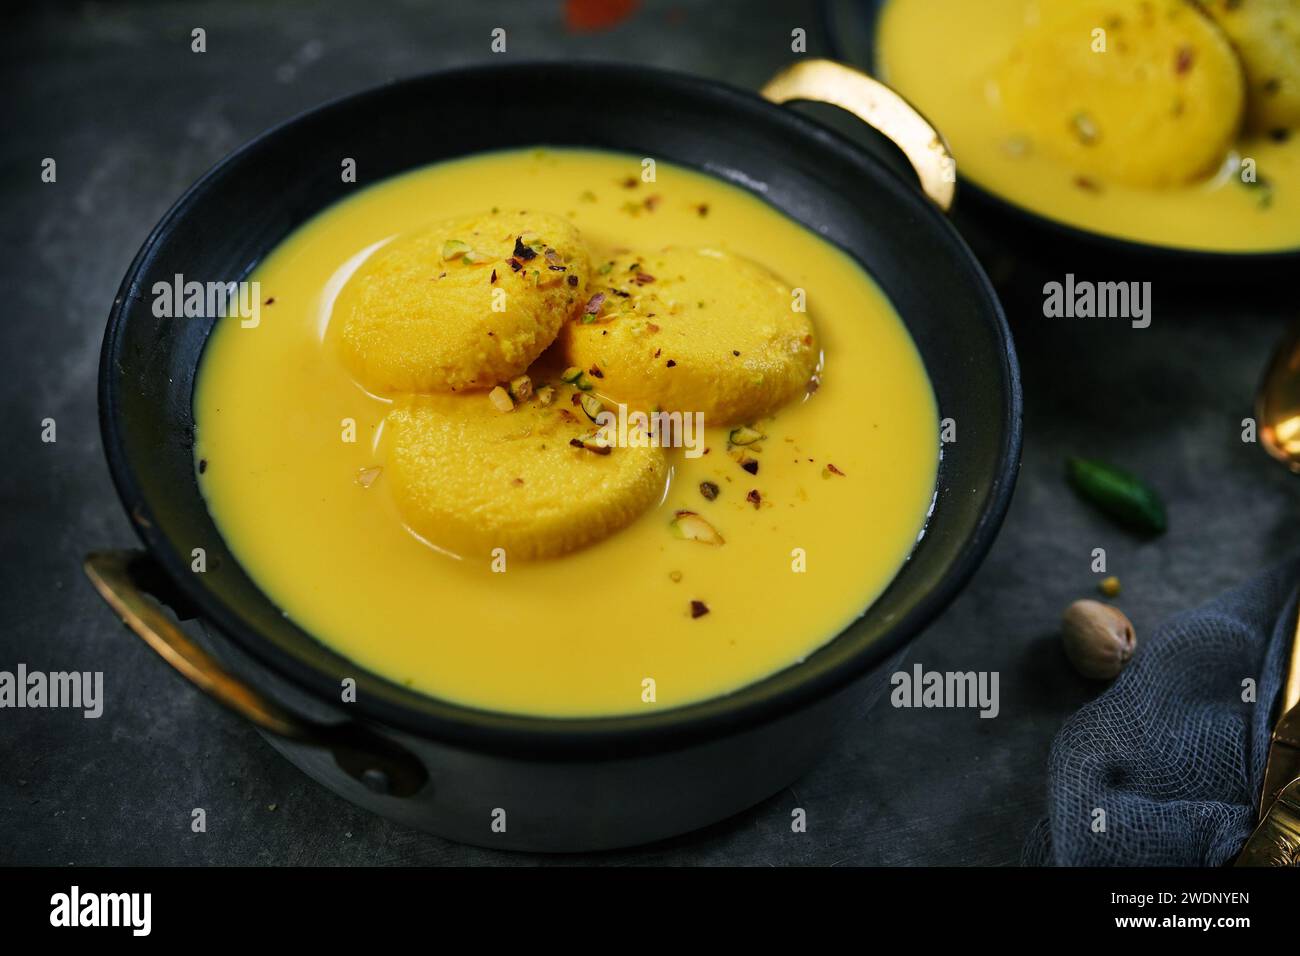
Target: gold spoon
1277, 403
1277, 839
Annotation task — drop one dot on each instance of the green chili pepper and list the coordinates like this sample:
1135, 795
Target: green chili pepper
1123, 497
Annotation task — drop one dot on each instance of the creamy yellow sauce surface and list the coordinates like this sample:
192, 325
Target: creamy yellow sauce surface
307, 515
944, 56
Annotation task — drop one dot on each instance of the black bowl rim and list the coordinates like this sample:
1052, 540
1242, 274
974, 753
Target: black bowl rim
1106, 243
575, 738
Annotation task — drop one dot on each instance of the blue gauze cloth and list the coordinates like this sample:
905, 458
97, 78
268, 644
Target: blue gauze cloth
1170, 751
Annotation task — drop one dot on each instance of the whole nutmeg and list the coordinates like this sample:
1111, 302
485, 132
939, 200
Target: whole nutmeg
1099, 639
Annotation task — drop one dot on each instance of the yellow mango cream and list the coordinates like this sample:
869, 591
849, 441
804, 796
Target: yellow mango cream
1157, 121
413, 471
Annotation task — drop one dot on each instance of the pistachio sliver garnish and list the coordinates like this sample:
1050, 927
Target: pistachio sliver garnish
1085, 128
501, 399
454, 249
689, 526
593, 442
744, 435
545, 395
521, 388
591, 405
577, 378
592, 308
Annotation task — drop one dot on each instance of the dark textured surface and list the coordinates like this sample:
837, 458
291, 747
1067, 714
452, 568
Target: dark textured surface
113, 93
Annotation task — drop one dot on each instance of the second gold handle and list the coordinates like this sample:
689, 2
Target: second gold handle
825, 81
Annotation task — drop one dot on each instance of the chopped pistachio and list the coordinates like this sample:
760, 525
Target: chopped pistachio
577, 378
1085, 128
453, 249
592, 406
501, 399
521, 388
545, 395
593, 443
689, 526
744, 435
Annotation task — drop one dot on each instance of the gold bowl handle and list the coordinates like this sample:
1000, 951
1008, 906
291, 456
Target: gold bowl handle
825, 81
122, 580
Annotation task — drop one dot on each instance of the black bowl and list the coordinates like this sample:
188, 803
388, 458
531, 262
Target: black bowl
996, 226
590, 782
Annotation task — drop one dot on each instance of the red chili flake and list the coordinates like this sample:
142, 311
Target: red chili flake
643, 278
594, 303
657, 351
269, 301
672, 363
523, 252
595, 372
735, 353
699, 609
494, 276
631, 182
1086, 184
651, 327
835, 471
515, 264
750, 465
807, 340
1183, 59
572, 280
650, 202
702, 209
754, 498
